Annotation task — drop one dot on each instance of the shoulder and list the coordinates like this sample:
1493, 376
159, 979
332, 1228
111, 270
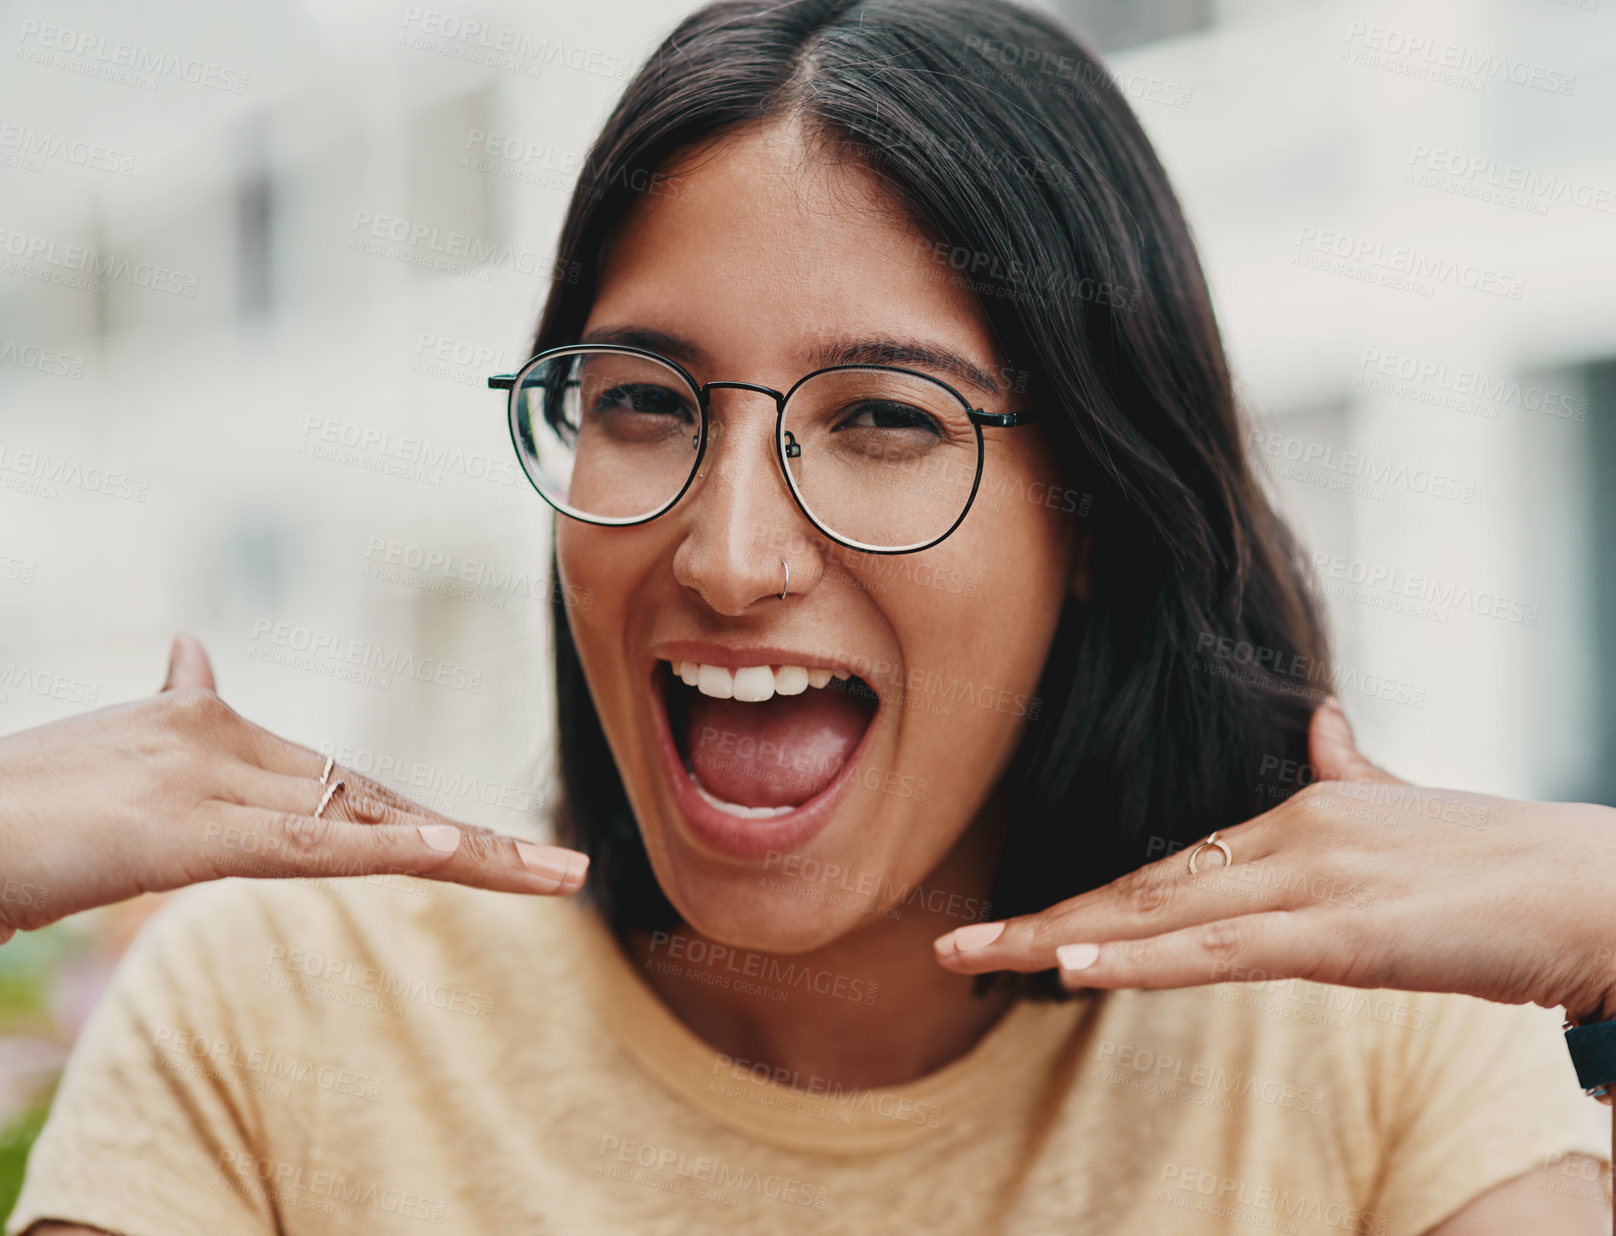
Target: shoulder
225, 925
226, 915
1382, 1053
1413, 1060
387, 937
1386, 1031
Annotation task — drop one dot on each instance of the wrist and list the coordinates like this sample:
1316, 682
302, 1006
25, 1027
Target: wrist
1590, 1013
1594, 999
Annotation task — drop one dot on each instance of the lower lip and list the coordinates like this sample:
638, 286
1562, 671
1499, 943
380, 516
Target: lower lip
730, 835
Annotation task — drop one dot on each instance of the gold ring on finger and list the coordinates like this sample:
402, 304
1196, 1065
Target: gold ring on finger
1212, 842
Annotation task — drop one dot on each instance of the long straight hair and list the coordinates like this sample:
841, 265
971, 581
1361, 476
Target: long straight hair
1167, 693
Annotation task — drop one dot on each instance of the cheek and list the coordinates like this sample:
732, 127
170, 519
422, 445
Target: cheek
572, 557
598, 563
1011, 562
974, 619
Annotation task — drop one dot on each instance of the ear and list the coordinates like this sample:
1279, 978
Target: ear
1079, 584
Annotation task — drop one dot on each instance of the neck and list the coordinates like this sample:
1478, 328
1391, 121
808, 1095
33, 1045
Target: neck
880, 1011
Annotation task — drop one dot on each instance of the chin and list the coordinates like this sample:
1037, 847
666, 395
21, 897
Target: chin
759, 906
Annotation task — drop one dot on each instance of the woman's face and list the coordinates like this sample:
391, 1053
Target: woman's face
818, 805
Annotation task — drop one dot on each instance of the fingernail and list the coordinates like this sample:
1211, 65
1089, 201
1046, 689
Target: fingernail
577, 869
977, 935
545, 861
1077, 956
444, 838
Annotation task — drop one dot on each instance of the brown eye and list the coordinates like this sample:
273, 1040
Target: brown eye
882, 414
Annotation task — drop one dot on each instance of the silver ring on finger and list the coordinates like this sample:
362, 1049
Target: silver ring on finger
1211, 842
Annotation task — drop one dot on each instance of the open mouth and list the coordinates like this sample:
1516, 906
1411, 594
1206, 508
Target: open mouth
761, 742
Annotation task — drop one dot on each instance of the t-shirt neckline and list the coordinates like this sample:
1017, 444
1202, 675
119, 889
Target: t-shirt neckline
799, 1115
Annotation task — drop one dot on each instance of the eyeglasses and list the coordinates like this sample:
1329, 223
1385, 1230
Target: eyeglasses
880, 459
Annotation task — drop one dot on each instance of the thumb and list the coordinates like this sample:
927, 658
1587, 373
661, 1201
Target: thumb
1333, 751
188, 665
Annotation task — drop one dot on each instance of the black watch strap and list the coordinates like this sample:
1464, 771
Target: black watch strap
1593, 1055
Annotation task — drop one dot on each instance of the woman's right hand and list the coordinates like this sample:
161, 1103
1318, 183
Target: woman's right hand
178, 788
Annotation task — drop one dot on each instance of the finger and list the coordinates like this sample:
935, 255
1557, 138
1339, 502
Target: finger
477, 852
292, 759
1278, 944
1333, 751
188, 665
379, 791
486, 859
263, 842
1158, 898
303, 768
353, 803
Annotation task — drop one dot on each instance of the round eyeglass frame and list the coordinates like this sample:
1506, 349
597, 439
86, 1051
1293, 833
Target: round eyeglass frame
512, 382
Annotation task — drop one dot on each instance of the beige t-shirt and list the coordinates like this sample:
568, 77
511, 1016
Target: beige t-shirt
401, 1056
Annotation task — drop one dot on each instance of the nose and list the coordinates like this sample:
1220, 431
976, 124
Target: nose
739, 519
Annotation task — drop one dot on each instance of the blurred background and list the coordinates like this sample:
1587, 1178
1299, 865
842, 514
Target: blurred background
256, 261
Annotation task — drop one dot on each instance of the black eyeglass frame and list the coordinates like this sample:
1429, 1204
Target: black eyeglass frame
978, 418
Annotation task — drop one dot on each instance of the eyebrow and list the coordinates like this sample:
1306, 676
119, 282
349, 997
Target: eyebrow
879, 351
906, 352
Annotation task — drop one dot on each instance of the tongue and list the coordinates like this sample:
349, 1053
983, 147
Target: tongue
775, 754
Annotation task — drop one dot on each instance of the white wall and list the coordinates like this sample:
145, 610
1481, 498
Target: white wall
356, 112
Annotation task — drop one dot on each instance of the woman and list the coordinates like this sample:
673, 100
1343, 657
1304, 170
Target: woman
895, 446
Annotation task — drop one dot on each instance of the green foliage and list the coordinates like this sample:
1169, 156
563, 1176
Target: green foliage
32, 964
15, 1142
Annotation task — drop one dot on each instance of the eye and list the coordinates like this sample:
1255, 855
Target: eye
647, 397
886, 414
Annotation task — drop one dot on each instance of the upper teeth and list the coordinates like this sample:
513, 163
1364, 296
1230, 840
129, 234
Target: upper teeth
753, 683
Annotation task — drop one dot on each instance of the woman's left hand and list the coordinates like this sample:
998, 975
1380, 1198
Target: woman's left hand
1360, 879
